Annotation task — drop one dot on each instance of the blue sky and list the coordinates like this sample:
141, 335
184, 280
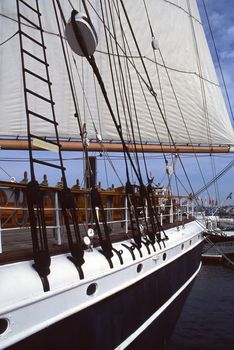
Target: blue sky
221, 16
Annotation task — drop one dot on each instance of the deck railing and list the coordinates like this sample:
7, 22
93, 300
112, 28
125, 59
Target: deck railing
117, 219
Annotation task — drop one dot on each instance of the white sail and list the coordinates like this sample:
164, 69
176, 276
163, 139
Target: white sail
192, 102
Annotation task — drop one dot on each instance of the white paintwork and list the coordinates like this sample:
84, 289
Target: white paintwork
29, 309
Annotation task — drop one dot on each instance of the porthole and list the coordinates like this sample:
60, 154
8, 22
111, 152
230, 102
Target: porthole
190, 242
164, 256
91, 289
3, 325
139, 268
182, 246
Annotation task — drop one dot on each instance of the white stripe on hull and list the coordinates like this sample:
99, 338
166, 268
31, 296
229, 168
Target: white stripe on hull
141, 329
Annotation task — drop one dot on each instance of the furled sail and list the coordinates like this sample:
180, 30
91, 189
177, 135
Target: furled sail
184, 79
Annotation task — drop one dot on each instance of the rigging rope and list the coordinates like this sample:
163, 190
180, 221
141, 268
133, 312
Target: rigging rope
8, 39
152, 90
104, 238
183, 9
199, 66
144, 193
128, 57
175, 95
114, 89
130, 190
217, 177
159, 64
203, 90
218, 59
139, 80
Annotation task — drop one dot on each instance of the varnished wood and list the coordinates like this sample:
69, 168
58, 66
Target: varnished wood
107, 192
117, 147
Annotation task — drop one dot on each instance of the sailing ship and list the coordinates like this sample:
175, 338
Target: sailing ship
91, 268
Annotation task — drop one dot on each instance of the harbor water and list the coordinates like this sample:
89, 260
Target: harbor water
207, 319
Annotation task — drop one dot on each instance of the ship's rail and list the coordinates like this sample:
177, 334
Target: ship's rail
15, 226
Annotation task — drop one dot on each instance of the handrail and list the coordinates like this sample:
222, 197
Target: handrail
169, 213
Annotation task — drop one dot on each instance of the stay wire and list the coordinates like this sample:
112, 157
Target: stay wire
126, 89
218, 59
133, 134
139, 80
66, 62
217, 177
161, 93
99, 17
216, 187
144, 95
181, 183
182, 116
110, 65
127, 93
72, 79
85, 99
100, 127
6, 172
71, 82
94, 66
153, 93
136, 115
136, 154
129, 188
113, 85
145, 193
145, 57
146, 72
202, 84
8, 39
124, 94
160, 65
120, 80
72, 85
177, 102
106, 155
